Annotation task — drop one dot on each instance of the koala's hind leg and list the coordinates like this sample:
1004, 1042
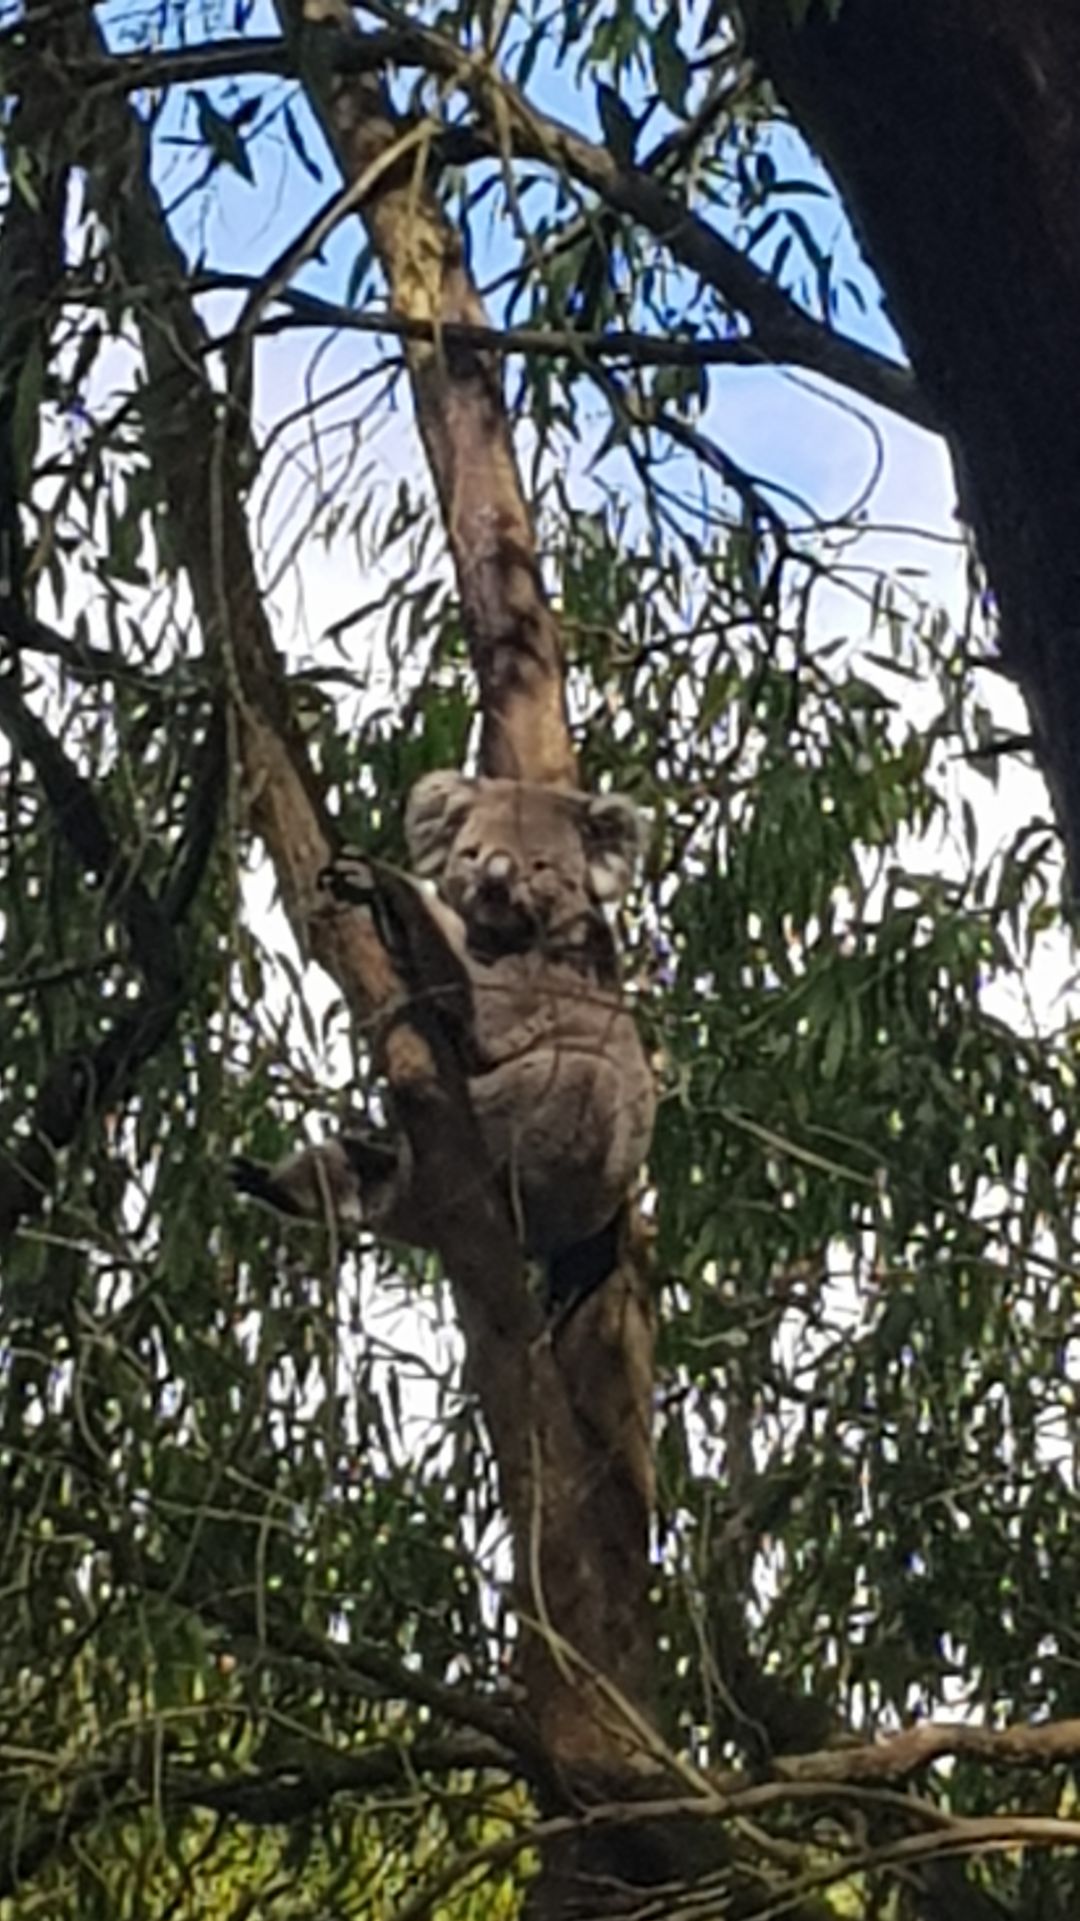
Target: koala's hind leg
351, 1179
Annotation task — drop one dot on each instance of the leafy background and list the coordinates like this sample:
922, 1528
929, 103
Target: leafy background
248, 1528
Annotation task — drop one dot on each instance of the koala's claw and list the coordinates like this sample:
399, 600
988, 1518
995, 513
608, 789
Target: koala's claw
248, 1176
349, 878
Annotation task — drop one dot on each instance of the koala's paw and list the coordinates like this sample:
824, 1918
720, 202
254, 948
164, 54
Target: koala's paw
248, 1176
349, 879
257, 1181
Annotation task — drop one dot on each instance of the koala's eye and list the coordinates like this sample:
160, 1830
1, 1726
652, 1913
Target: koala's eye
472, 852
539, 865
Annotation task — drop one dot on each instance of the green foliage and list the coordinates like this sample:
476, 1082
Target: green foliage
221, 136
865, 1172
249, 1527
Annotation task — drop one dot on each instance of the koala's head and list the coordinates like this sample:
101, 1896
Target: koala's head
518, 862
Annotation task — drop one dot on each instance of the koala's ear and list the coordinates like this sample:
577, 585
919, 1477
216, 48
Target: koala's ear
614, 834
435, 810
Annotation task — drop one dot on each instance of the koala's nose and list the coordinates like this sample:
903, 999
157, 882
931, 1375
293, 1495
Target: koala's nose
500, 873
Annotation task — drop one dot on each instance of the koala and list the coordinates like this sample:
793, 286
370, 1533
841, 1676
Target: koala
525, 970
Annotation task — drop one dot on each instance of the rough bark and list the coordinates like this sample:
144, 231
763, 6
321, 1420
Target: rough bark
953, 132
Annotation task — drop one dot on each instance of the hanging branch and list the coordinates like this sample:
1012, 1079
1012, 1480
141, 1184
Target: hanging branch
88, 1079
80, 1079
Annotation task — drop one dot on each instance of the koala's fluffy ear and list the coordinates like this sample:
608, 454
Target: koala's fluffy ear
435, 810
614, 833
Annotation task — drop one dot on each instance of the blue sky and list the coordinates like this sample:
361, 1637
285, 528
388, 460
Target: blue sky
770, 423
791, 428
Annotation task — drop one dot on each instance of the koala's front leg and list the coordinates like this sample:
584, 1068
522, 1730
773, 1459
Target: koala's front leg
424, 938
352, 1179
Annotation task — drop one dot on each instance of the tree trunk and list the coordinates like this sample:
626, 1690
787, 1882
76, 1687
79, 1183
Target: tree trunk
569, 1415
460, 412
953, 130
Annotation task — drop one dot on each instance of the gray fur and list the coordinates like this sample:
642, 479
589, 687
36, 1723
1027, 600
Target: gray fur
557, 1075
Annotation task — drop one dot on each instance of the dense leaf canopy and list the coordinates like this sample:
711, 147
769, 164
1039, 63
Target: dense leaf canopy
254, 1561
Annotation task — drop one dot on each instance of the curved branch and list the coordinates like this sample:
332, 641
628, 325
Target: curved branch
1050, 1744
556, 343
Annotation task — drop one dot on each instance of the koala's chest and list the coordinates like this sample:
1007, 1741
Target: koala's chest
563, 1096
525, 1003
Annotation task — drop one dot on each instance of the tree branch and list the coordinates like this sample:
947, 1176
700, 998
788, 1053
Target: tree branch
291, 1792
355, 1667
303, 1787
31, 265
557, 343
98, 71
81, 1080
782, 332
1052, 1743
780, 326
197, 444
462, 419
569, 1419
81, 821
79, 658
